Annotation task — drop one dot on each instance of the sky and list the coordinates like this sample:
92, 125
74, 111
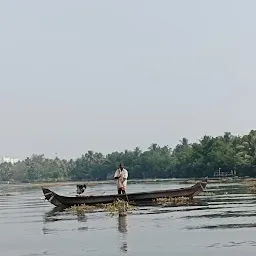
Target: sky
112, 75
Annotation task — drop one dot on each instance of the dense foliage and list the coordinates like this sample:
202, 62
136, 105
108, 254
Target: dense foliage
200, 159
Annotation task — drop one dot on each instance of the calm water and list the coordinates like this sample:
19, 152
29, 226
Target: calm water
221, 223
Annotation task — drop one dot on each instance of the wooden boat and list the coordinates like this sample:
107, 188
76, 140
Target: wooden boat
67, 201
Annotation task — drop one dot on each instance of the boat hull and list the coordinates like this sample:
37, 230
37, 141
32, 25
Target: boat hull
66, 201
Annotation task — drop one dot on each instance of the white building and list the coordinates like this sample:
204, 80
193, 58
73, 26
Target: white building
4, 159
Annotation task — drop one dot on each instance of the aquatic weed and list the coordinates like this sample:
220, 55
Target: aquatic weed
123, 207
118, 206
81, 209
173, 201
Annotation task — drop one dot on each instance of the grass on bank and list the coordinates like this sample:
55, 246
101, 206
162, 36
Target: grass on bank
214, 180
250, 185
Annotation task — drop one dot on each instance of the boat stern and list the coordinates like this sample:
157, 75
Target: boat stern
200, 187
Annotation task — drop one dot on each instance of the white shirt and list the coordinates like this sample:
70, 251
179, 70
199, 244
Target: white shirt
122, 180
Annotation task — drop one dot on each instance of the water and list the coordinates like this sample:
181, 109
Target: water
217, 224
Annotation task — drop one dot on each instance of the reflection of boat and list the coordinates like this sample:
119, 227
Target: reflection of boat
54, 212
58, 214
67, 201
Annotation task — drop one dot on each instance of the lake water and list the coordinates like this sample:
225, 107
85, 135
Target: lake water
223, 223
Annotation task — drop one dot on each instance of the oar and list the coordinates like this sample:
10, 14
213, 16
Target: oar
126, 197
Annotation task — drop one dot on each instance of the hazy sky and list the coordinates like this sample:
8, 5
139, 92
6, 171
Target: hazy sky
113, 75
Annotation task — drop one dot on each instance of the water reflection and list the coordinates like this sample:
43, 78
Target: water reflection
122, 223
223, 217
123, 229
53, 215
224, 226
81, 217
59, 214
54, 211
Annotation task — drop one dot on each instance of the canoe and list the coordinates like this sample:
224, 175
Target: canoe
67, 201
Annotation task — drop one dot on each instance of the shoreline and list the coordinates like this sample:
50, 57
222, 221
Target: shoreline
133, 181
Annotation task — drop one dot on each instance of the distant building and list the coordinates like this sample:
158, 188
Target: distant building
224, 174
4, 159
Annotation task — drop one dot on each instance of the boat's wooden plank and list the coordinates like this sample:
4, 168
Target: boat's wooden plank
59, 200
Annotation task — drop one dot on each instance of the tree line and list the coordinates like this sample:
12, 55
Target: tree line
186, 160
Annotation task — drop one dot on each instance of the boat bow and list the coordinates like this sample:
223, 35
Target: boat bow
52, 197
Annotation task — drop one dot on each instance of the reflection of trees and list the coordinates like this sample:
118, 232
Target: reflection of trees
122, 228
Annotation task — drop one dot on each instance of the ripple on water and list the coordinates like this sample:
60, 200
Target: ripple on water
211, 223
233, 244
45, 253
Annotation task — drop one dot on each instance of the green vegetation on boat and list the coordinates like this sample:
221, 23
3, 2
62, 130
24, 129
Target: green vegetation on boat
123, 207
119, 206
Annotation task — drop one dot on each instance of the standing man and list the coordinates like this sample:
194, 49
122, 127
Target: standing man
121, 176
